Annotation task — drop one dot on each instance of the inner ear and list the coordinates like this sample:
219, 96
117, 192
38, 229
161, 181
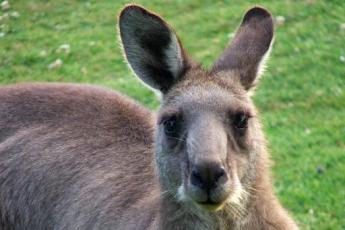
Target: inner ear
151, 47
245, 56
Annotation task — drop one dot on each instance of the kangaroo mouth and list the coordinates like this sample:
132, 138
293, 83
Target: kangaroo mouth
211, 206
207, 201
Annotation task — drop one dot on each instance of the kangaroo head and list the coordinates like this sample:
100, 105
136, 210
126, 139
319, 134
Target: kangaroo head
208, 138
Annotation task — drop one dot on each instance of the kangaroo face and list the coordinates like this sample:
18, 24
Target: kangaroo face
206, 142
207, 135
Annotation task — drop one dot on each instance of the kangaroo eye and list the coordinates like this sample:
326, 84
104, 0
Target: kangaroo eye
171, 126
240, 121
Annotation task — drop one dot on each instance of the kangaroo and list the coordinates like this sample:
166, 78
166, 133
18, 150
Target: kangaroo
82, 157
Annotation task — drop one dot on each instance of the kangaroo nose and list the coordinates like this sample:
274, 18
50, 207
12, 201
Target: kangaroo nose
208, 176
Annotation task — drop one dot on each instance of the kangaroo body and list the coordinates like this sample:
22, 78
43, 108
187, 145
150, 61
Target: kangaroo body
67, 154
83, 157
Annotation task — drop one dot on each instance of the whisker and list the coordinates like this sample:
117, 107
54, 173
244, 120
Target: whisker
179, 139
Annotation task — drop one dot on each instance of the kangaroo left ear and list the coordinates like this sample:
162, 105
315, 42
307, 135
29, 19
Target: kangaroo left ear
151, 47
247, 52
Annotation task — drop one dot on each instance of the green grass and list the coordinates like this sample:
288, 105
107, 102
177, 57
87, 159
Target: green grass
301, 96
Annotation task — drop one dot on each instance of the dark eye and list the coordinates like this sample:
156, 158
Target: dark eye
240, 121
172, 126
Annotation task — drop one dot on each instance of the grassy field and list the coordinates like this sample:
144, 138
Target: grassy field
301, 96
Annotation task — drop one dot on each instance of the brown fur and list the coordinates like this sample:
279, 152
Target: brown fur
83, 157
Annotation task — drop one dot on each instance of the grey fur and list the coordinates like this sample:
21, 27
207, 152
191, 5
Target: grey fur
83, 157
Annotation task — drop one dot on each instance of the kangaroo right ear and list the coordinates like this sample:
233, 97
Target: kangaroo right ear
247, 52
151, 47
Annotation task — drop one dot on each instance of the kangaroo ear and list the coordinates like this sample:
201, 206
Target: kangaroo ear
151, 47
246, 54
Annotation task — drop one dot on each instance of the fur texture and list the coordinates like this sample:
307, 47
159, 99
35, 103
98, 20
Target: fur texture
83, 157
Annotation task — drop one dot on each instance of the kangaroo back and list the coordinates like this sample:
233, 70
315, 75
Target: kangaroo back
71, 156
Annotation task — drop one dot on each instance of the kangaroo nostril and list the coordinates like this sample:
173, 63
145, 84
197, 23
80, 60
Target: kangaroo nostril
196, 178
220, 176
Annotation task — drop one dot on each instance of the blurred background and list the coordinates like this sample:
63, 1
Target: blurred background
301, 96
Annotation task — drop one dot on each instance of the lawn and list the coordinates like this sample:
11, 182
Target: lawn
301, 96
